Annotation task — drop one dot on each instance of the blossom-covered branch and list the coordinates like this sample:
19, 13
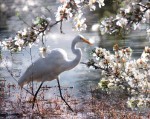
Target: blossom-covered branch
130, 17
69, 10
120, 72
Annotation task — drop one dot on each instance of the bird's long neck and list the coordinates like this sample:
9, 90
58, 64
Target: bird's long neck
77, 52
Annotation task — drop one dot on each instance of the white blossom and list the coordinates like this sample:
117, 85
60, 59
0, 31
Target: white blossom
63, 13
92, 4
79, 22
43, 52
125, 73
95, 27
122, 22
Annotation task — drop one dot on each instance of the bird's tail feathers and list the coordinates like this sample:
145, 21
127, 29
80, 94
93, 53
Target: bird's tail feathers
21, 82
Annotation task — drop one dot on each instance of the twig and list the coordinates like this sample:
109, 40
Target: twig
61, 27
143, 6
96, 67
15, 78
60, 21
24, 21
55, 23
49, 10
43, 39
32, 71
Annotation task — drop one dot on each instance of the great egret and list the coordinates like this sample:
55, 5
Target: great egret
49, 68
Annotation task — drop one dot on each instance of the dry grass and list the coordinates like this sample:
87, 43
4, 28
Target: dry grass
98, 105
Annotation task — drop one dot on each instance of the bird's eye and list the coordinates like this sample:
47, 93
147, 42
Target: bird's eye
81, 38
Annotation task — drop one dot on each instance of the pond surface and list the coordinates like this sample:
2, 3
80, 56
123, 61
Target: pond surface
81, 77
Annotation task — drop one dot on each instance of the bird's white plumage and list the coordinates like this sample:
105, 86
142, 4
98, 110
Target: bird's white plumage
48, 68
45, 68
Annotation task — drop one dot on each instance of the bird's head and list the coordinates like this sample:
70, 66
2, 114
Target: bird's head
81, 38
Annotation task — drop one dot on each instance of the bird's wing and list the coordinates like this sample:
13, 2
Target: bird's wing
58, 54
45, 68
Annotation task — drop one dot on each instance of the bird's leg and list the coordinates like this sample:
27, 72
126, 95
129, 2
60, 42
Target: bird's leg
36, 94
62, 96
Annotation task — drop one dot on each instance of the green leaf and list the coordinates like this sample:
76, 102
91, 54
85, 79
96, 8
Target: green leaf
17, 14
37, 21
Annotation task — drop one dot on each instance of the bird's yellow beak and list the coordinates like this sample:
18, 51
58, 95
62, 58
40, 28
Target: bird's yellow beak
86, 41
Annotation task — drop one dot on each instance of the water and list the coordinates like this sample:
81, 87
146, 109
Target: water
81, 77
54, 39
137, 40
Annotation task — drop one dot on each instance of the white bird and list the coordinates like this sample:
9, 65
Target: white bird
50, 67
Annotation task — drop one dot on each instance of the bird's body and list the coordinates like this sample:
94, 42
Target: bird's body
46, 69
56, 62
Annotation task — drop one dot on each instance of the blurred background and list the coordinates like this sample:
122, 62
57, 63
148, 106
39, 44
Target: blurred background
80, 77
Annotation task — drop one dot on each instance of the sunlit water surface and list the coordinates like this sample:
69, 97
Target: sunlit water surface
81, 78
